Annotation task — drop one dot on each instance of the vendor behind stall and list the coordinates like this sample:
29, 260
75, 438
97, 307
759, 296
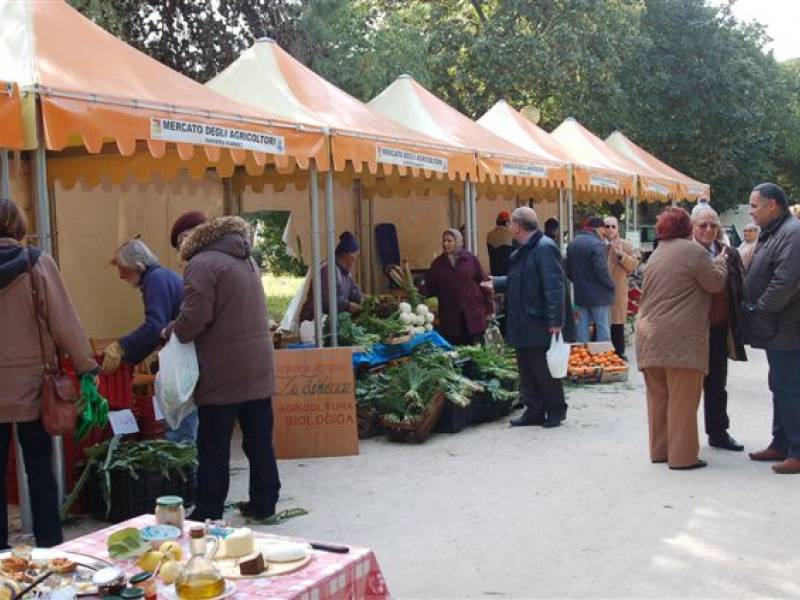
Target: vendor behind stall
348, 296
162, 292
454, 277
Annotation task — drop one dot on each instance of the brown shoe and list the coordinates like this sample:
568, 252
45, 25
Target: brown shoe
768, 455
791, 466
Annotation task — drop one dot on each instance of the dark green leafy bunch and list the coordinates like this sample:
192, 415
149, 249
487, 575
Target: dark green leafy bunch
457, 388
405, 391
353, 334
489, 364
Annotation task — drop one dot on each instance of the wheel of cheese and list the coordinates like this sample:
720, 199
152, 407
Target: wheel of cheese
284, 551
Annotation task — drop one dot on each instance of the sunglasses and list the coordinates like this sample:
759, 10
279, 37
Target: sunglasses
708, 226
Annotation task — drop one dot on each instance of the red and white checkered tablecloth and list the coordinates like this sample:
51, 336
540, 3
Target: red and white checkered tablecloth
328, 576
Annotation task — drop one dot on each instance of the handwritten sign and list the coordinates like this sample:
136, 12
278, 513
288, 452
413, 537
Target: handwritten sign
314, 405
123, 422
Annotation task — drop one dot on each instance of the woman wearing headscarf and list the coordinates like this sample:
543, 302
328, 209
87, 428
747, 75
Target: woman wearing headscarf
348, 294
454, 278
672, 337
37, 320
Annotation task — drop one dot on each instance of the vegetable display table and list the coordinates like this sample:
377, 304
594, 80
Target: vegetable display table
328, 576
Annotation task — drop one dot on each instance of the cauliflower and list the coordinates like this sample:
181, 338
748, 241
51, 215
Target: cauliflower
405, 307
406, 318
429, 318
428, 327
422, 309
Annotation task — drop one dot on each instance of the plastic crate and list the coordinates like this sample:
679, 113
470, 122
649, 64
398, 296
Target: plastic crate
132, 497
454, 418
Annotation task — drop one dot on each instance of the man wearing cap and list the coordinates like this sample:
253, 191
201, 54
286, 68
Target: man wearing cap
224, 312
587, 268
348, 294
748, 246
499, 242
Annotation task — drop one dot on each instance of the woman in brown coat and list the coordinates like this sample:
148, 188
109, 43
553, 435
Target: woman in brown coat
672, 337
621, 263
21, 366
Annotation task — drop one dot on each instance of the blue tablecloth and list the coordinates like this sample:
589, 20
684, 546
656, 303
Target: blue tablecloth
383, 353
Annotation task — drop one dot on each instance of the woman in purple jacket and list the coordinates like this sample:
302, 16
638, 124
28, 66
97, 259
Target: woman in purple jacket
454, 278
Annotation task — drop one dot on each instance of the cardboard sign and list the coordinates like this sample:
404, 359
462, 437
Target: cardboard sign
123, 422
314, 403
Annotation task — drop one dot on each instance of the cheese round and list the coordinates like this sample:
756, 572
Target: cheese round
239, 543
284, 551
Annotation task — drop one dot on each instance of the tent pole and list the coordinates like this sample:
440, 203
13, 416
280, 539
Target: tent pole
473, 198
331, 226
45, 234
316, 282
467, 217
452, 207
571, 214
561, 220
5, 178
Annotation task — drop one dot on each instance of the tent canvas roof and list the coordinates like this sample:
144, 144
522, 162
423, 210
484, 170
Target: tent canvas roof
407, 102
608, 170
268, 77
690, 188
11, 131
94, 88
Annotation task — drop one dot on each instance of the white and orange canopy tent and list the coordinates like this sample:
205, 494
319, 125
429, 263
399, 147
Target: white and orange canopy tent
509, 124
94, 109
499, 161
606, 172
267, 77
97, 92
11, 129
688, 188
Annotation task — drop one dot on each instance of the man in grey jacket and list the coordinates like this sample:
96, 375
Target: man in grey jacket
772, 319
587, 269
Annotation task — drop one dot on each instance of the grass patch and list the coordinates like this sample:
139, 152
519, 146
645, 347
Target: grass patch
280, 291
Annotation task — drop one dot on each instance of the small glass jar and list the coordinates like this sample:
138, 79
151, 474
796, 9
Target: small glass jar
146, 582
109, 581
170, 511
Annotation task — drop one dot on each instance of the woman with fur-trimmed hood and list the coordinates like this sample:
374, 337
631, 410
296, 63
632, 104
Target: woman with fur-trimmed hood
224, 312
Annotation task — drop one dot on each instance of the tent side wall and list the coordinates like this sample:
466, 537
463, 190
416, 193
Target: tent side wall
92, 223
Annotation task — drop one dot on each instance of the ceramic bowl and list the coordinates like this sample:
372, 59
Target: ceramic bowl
156, 535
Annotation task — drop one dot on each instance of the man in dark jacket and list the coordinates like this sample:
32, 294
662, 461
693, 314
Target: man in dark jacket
162, 294
771, 319
224, 312
498, 243
587, 268
534, 289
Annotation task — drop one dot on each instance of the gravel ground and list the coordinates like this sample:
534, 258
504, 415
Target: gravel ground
573, 512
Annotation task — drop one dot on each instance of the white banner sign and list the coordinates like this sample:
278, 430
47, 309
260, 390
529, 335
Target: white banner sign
657, 188
523, 170
206, 134
696, 190
606, 182
406, 158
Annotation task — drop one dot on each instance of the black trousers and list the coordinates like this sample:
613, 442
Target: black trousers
618, 338
715, 394
538, 390
214, 449
37, 453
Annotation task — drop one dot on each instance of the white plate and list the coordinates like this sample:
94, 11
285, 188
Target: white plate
169, 592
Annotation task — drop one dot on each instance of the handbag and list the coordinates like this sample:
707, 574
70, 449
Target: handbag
59, 409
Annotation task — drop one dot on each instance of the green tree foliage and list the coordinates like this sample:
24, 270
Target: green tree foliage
269, 251
197, 37
680, 77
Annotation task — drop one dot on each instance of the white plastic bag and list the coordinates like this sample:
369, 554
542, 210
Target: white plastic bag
177, 376
558, 357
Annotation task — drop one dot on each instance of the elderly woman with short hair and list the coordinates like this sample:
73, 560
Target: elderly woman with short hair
672, 333
162, 292
454, 277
